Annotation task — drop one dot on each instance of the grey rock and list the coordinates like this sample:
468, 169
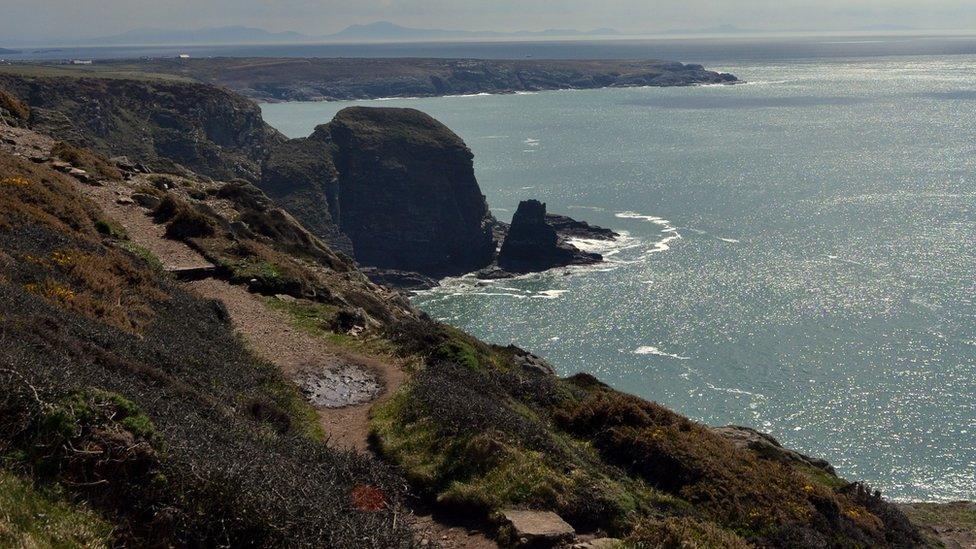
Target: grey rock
536, 528
768, 447
532, 244
531, 363
147, 201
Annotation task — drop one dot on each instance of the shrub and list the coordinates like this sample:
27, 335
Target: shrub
683, 533
111, 229
87, 160
189, 223
14, 106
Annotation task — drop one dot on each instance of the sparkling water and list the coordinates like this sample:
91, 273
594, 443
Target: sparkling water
799, 252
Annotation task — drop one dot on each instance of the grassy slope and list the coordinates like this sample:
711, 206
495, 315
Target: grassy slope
32, 516
223, 453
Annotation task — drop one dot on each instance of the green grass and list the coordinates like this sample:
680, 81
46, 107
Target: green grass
483, 471
43, 517
143, 253
317, 319
305, 421
111, 229
89, 71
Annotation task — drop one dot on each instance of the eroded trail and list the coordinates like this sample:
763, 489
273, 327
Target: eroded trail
305, 358
342, 385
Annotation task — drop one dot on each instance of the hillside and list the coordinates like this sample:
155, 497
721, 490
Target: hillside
183, 420
162, 124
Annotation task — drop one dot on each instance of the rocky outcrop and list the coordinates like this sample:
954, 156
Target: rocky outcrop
567, 227
396, 183
768, 447
532, 244
164, 124
13, 111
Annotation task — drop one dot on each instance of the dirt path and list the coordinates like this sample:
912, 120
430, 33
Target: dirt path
299, 354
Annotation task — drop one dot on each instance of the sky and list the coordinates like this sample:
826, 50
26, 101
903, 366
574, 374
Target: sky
40, 20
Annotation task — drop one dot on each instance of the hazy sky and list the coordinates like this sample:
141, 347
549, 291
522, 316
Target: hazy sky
47, 19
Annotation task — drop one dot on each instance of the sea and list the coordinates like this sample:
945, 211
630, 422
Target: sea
798, 252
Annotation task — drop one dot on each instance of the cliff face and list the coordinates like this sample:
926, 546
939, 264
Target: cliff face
161, 123
300, 175
396, 182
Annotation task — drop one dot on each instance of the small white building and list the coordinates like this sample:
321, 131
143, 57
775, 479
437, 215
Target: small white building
81, 61
184, 56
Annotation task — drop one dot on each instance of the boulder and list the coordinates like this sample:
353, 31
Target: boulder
568, 227
535, 528
146, 200
530, 362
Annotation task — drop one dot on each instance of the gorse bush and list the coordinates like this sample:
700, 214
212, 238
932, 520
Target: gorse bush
16, 107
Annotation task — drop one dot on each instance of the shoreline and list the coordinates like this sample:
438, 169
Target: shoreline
273, 101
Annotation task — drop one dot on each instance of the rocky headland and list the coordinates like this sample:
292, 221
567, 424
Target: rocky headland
329, 79
396, 190
167, 126
393, 187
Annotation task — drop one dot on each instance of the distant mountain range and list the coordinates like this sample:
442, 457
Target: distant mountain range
719, 29
210, 35
374, 32
382, 31
386, 31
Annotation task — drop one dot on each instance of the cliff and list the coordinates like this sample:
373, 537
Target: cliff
395, 182
164, 124
289, 79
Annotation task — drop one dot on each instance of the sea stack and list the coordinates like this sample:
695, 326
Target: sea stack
532, 244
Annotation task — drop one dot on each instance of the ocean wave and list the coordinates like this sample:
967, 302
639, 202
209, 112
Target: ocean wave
549, 294
708, 234
651, 350
606, 248
461, 95
662, 245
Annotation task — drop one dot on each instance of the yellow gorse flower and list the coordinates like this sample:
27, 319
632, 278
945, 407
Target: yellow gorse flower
15, 181
62, 259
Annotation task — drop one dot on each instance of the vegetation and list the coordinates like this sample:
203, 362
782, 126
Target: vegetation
44, 516
14, 106
161, 420
92, 163
476, 431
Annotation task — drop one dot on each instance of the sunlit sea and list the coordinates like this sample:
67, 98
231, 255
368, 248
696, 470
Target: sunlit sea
799, 252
